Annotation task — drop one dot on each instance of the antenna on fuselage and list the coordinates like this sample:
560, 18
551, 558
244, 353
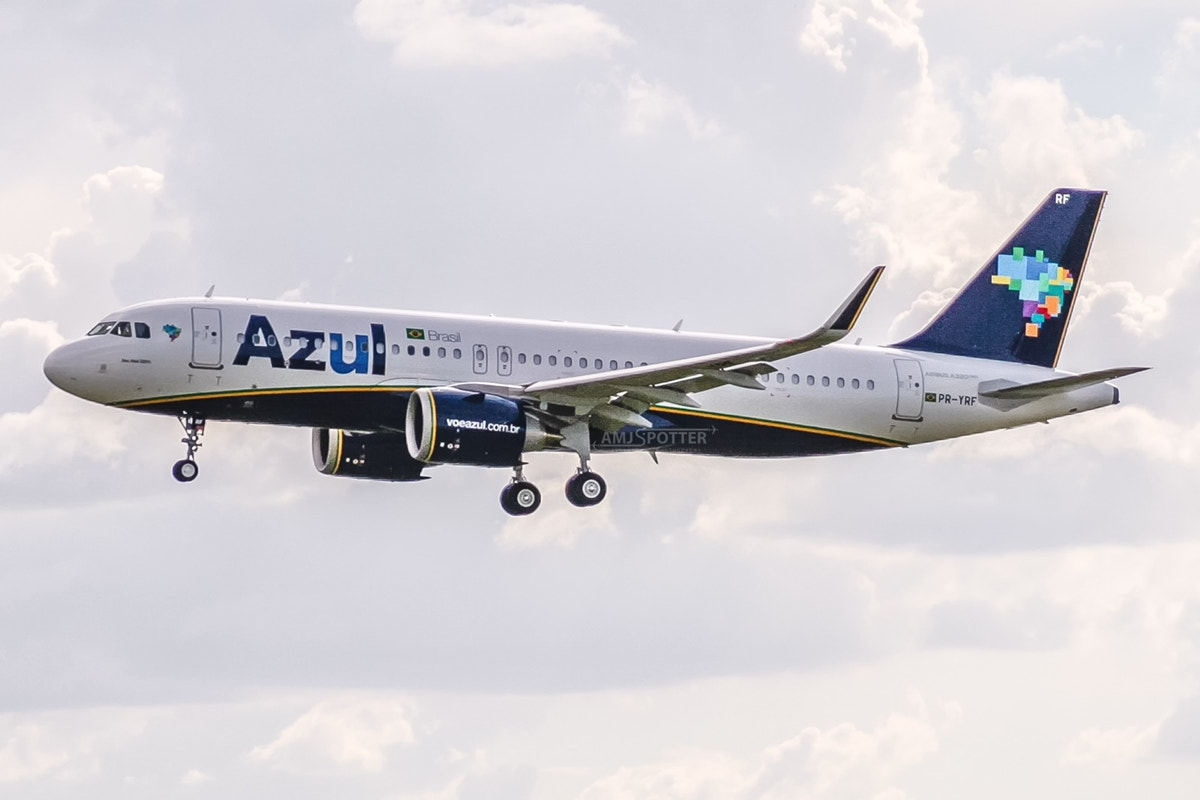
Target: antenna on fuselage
677, 326
210, 291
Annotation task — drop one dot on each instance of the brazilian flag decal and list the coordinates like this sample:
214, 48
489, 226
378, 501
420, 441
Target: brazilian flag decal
930, 397
415, 333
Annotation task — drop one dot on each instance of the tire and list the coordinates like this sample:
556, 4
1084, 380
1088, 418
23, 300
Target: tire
185, 471
520, 498
586, 489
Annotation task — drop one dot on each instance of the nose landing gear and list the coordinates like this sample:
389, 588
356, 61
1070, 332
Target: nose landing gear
186, 469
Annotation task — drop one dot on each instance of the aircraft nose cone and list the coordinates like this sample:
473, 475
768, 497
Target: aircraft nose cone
57, 369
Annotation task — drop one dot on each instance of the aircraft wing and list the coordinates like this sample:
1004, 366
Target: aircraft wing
619, 397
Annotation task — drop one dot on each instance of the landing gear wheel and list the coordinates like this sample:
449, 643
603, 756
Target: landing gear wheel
520, 498
185, 471
586, 488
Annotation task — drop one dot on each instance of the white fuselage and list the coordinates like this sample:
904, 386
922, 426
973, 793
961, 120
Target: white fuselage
217, 358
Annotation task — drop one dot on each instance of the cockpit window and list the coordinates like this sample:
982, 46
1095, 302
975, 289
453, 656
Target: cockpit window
101, 329
141, 330
123, 329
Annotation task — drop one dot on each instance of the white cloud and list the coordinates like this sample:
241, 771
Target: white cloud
1138, 313
1181, 62
58, 431
897, 21
921, 310
195, 777
24, 343
842, 761
64, 745
1110, 748
1079, 47
905, 213
1032, 128
825, 32
1124, 430
555, 525
1032, 623
451, 33
651, 107
344, 735
30, 267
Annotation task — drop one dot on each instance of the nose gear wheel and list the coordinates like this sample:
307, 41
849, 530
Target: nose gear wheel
186, 469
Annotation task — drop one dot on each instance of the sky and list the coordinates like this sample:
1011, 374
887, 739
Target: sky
1013, 614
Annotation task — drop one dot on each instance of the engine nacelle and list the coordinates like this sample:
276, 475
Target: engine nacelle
450, 426
374, 456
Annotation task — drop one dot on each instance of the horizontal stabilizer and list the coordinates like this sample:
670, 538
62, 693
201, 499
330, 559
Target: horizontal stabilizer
1007, 390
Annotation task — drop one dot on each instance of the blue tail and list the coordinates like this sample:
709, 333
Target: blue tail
1017, 307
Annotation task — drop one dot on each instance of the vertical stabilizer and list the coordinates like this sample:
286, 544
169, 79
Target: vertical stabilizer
1016, 308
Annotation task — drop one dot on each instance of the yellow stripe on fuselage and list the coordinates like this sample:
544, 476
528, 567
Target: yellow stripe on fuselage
787, 426
181, 398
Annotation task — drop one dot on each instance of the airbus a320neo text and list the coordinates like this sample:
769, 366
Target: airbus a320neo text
390, 394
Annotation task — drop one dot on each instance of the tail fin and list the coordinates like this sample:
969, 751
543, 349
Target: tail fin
1017, 306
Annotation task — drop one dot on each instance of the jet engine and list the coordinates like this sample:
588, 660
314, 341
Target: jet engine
374, 456
450, 426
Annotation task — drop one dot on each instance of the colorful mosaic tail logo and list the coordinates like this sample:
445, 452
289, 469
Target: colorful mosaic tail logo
1042, 285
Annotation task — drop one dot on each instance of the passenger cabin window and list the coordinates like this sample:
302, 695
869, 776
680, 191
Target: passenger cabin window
141, 330
123, 329
537, 359
552, 360
101, 329
566, 361
457, 353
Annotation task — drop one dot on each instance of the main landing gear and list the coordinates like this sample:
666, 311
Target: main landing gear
584, 488
520, 497
186, 470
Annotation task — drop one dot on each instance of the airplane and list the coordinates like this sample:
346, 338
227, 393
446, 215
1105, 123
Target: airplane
390, 394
